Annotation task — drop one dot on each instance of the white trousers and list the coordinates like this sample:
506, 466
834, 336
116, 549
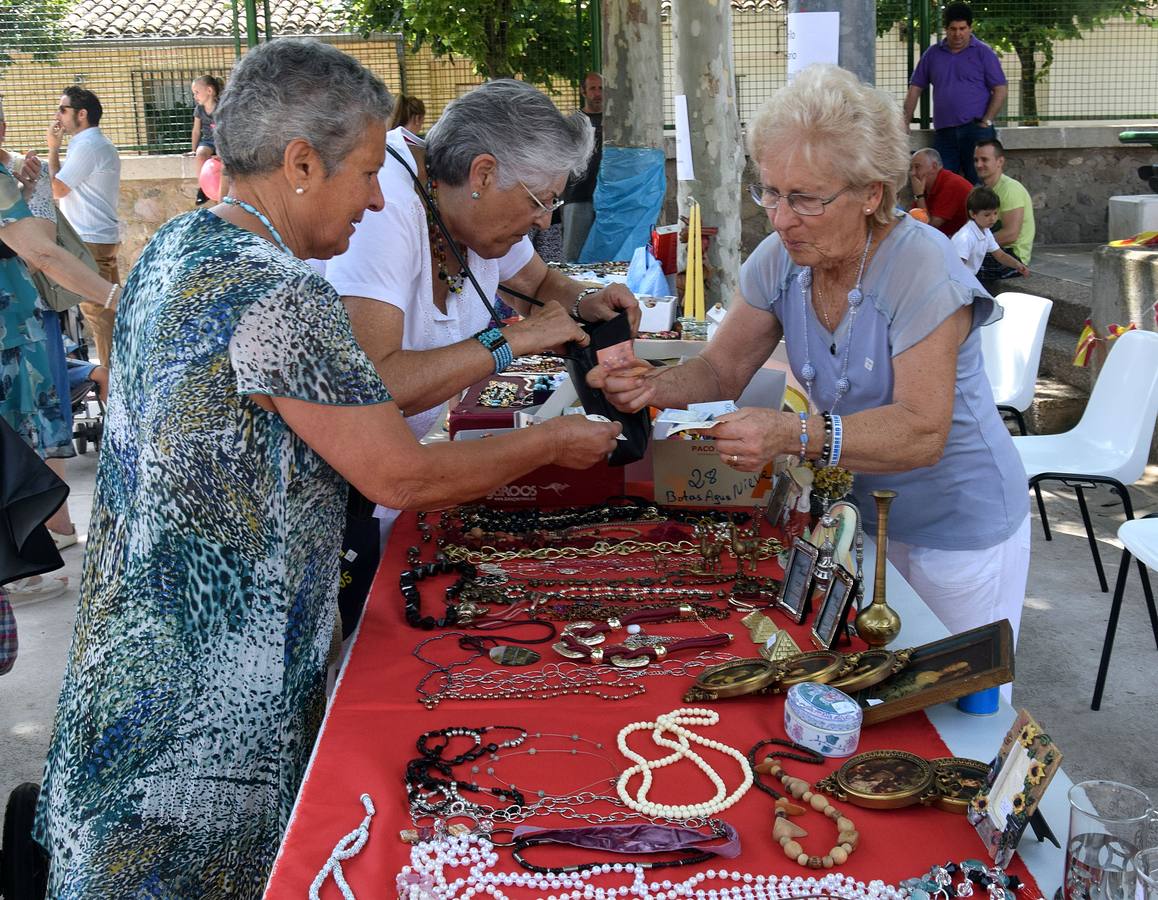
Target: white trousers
969, 588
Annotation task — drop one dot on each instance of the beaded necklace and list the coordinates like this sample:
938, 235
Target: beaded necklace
855, 298
676, 723
453, 867
261, 217
786, 833
455, 282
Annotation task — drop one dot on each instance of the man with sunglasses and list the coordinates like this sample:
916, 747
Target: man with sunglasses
87, 188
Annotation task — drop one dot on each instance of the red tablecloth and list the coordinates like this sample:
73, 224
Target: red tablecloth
375, 719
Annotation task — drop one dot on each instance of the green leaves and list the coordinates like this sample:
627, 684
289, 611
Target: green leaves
538, 40
32, 26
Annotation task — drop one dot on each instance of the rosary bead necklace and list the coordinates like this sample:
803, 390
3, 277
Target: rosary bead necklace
677, 723
261, 217
855, 298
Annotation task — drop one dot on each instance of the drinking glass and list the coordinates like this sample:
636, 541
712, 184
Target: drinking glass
1146, 873
1109, 822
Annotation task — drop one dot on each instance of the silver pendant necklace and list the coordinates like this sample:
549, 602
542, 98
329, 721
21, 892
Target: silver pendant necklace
855, 298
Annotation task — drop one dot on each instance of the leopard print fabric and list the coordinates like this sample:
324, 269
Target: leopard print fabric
195, 682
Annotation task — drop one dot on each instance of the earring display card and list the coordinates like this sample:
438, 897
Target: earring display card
1016, 782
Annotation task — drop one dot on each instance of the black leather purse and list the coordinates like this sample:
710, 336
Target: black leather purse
581, 360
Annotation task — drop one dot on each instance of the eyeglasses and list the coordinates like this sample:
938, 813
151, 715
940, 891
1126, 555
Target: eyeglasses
556, 204
801, 204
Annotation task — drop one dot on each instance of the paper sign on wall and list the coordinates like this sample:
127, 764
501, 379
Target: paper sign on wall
813, 37
684, 169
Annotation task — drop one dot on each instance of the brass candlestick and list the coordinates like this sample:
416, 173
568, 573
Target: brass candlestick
878, 623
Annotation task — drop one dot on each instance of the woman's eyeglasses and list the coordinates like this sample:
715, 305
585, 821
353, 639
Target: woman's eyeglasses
556, 204
801, 204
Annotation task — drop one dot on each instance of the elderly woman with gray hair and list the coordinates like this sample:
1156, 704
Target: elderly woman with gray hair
881, 321
494, 165
240, 407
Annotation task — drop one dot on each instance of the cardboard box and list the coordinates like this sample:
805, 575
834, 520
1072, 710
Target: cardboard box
657, 313
691, 473
553, 485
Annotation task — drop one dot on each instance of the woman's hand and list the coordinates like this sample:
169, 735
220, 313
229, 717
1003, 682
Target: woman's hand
610, 302
579, 442
749, 438
547, 328
628, 390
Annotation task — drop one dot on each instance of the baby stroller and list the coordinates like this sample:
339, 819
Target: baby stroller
87, 409
23, 863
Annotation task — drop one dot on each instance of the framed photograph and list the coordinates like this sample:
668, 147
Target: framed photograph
778, 499
1015, 784
793, 597
942, 670
833, 609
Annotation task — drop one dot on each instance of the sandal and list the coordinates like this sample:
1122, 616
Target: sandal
36, 588
63, 540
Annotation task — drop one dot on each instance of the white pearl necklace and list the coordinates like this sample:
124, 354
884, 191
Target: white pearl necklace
674, 723
347, 848
431, 875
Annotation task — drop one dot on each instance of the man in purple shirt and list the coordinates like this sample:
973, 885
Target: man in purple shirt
968, 86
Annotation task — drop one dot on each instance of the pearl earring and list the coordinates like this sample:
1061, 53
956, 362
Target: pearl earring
474, 195
299, 190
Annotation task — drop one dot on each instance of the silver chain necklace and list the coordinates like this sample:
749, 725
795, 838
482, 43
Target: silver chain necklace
855, 298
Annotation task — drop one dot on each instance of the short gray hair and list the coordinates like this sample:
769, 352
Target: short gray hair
516, 124
293, 88
932, 155
853, 128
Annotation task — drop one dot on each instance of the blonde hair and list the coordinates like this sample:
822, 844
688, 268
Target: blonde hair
837, 121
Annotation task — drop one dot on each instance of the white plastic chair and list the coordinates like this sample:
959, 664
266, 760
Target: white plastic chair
1012, 351
1111, 442
1139, 537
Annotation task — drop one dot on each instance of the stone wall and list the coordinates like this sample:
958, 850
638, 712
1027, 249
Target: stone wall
153, 190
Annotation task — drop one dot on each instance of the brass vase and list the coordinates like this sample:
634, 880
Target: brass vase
878, 623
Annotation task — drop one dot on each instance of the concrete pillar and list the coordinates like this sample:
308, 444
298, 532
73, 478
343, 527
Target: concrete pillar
704, 72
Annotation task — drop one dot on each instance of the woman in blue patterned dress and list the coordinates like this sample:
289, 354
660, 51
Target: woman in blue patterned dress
29, 400
239, 408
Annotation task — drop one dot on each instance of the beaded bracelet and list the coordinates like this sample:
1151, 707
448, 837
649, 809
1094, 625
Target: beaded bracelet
803, 437
826, 450
494, 342
582, 294
837, 440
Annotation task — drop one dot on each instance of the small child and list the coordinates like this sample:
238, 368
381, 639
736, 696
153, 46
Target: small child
974, 239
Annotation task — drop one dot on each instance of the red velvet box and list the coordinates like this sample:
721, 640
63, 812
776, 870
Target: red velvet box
469, 414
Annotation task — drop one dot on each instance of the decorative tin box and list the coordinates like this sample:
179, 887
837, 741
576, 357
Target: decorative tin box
822, 718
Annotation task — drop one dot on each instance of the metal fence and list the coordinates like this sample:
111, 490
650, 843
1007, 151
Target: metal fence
140, 57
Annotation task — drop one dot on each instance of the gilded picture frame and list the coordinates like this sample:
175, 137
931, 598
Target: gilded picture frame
942, 670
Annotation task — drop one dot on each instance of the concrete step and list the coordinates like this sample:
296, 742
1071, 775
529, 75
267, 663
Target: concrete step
1071, 299
1057, 406
1057, 359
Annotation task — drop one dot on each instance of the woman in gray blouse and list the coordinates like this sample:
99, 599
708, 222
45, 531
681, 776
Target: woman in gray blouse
880, 321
